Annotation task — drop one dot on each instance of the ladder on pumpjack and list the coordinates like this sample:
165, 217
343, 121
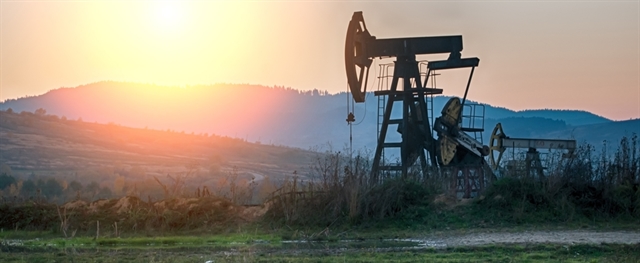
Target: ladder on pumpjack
384, 77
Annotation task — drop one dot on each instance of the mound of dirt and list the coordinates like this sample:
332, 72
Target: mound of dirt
132, 214
73, 205
193, 204
251, 213
118, 206
98, 205
446, 200
128, 203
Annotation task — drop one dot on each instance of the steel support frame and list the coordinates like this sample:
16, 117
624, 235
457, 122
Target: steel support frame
533, 165
467, 181
406, 68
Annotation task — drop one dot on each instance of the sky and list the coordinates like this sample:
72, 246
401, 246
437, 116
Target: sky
582, 55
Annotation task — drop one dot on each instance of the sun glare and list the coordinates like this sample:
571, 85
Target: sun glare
168, 16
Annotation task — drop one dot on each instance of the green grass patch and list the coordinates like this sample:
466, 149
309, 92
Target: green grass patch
22, 234
494, 253
142, 242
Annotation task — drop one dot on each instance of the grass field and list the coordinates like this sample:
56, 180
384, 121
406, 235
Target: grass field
249, 252
377, 246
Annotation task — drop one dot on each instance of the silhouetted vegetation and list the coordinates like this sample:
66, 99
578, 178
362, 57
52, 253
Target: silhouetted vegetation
127, 215
6, 180
592, 186
589, 187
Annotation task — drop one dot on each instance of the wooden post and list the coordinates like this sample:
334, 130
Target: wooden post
97, 229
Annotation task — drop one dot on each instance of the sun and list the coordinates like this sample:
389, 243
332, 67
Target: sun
168, 16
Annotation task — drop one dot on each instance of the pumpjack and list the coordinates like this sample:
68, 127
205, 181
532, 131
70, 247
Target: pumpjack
453, 146
533, 167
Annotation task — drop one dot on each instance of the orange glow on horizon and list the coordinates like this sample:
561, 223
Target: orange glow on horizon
223, 108
580, 56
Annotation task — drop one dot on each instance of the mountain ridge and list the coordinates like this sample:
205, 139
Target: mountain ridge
274, 115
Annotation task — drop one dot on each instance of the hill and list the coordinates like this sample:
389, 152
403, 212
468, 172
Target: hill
38, 146
272, 115
269, 115
597, 134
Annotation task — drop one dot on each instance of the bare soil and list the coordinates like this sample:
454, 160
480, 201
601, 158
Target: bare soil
569, 237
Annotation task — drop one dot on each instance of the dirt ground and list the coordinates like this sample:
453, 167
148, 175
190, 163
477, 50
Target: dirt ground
570, 237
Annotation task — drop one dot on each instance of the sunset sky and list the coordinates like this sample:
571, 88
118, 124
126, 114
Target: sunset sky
561, 55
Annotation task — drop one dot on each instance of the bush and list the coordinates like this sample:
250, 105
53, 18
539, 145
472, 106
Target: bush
394, 197
342, 191
581, 187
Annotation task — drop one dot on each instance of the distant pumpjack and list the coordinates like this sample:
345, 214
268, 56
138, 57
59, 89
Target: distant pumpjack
533, 167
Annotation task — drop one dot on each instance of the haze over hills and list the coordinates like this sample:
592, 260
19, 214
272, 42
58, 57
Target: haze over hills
144, 162
284, 116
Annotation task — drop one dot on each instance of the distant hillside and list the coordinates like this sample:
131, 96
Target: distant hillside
522, 127
270, 115
571, 117
596, 134
38, 142
38, 146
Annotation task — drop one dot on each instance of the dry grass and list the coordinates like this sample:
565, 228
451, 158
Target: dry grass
129, 215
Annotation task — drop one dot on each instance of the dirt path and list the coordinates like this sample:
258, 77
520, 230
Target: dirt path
533, 237
256, 176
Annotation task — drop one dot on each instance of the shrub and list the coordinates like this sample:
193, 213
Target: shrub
587, 186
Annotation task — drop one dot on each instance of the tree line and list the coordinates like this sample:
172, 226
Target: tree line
40, 188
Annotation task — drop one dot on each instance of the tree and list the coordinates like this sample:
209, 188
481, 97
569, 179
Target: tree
119, 185
104, 193
75, 186
6, 180
51, 188
5, 169
28, 188
93, 188
40, 183
14, 189
41, 112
